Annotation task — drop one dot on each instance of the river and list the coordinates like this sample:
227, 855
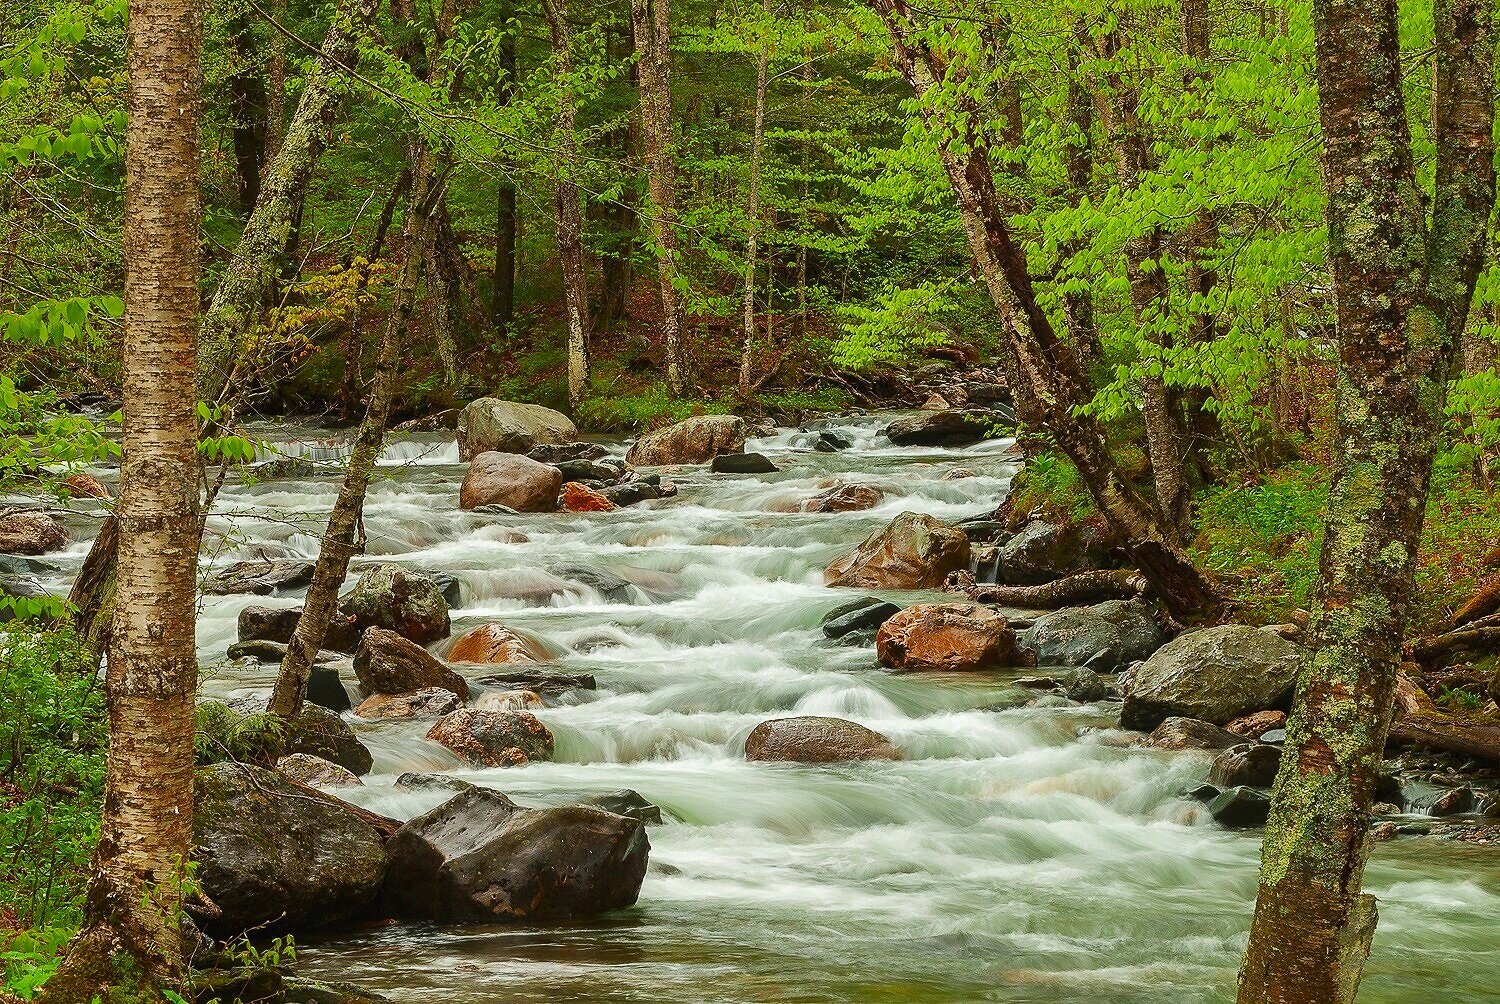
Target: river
1013, 855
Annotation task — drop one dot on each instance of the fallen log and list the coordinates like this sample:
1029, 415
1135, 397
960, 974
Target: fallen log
1418, 722
1481, 605
1084, 587
1481, 635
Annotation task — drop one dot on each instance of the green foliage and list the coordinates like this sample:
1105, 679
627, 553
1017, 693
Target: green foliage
1050, 487
29, 958
649, 408
221, 734
1458, 699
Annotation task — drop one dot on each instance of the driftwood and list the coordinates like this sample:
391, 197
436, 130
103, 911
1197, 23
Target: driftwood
1477, 635
1084, 587
1484, 603
1418, 721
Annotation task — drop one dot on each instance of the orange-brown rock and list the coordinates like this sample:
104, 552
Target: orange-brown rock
429, 702
946, 636
579, 497
817, 740
1255, 725
493, 738
913, 552
510, 480
844, 498
83, 485
497, 644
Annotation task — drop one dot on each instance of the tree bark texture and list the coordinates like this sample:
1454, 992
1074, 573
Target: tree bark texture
752, 218
1403, 285
569, 206
504, 301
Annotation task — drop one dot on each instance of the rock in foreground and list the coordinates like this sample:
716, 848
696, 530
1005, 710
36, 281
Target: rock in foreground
943, 428
387, 663
692, 441
1216, 675
946, 636
493, 738
516, 482
912, 552
401, 600
1105, 637
479, 856
492, 425
817, 740
31, 533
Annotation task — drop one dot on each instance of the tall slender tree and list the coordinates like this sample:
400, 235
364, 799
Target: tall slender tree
569, 203
1403, 283
131, 942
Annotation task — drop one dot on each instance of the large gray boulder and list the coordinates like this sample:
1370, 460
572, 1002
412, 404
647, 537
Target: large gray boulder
401, 600
1041, 552
913, 552
1105, 637
479, 856
1215, 675
492, 425
692, 441
817, 740
262, 577
944, 428
271, 855
509, 480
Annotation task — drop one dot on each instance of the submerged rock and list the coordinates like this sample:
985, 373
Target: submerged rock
387, 663
1190, 734
692, 441
946, 636
742, 463
864, 614
913, 552
429, 702
272, 856
479, 856
261, 578
1105, 637
496, 644
817, 740
844, 498
1240, 808
629, 803
516, 482
493, 738
540, 680
1216, 675
31, 533
492, 425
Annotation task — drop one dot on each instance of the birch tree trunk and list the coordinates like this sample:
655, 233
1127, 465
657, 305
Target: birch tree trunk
570, 206
1403, 286
752, 218
131, 939
652, 23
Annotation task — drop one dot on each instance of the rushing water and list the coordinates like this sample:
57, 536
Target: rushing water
1013, 855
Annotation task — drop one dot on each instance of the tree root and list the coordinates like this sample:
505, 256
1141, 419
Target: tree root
1084, 587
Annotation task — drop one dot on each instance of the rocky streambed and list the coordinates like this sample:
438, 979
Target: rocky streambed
850, 792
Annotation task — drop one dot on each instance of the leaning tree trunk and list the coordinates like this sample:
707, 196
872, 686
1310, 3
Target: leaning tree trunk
752, 218
131, 938
339, 541
1402, 291
570, 206
652, 22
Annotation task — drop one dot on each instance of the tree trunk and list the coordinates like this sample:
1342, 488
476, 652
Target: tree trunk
131, 937
1048, 385
339, 541
652, 23
249, 112
1402, 292
1072, 590
504, 306
752, 217
569, 206
353, 347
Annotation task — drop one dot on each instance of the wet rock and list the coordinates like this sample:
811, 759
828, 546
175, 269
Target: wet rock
1383, 831
414, 781
1258, 724
257, 623
261, 578
692, 441
957, 474
607, 471
1042, 552
946, 636
1106, 637
31, 533
387, 663
495, 644
1190, 734
742, 463
1217, 674
1084, 686
845, 498
631, 492
942, 428
429, 702
562, 453
988, 393
448, 584
1453, 802
509, 480
1240, 808
628, 803
325, 687
913, 552
578, 497
831, 442
613, 588
508, 700
540, 680
321, 733
286, 469
1247, 764
867, 612
982, 530
317, 772
491, 425
270, 856
493, 738
479, 856
85, 486
1275, 737
400, 600
817, 740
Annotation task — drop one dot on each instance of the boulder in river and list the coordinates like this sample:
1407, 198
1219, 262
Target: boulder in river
496, 644
493, 738
1240, 808
1216, 675
692, 441
864, 614
1190, 734
271, 855
508, 700
81, 485
613, 588
1253, 726
631, 492
913, 552
542, 681
260, 577
321, 733
742, 463
479, 856
1252, 764
401, 600
258, 623
429, 702
316, 772
1041, 552
946, 636
516, 482
492, 425
1105, 637
817, 740
387, 663
31, 533
579, 497
953, 427
564, 453
627, 802
844, 498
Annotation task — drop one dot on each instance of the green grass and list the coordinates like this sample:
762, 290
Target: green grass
649, 407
